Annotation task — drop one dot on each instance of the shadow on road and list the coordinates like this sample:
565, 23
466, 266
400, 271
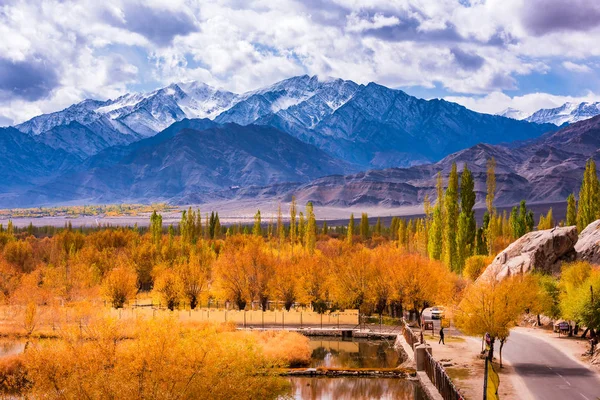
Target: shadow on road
531, 369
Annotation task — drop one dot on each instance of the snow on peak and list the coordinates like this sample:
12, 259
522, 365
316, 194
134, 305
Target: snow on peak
513, 113
567, 113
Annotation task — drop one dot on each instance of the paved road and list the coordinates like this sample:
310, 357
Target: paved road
547, 372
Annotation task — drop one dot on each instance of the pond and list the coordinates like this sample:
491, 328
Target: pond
338, 353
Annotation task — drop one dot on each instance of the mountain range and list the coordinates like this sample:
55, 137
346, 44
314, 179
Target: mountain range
331, 140
544, 170
568, 113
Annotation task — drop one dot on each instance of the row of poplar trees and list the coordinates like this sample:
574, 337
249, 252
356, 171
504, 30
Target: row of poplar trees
587, 209
452, 228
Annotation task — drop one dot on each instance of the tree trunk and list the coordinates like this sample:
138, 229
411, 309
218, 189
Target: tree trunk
501, 346
193, 302
538, 320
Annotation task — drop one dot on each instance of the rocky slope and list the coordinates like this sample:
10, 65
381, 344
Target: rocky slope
26, 162
545, 170
545, 251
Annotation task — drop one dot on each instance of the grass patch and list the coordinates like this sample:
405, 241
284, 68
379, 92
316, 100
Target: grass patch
447, 339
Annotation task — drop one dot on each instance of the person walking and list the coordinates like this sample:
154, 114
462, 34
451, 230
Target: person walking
442, 336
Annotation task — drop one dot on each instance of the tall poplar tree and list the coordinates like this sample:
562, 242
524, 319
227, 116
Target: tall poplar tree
451, 220
571, 210
434, 245
155, 229
311, 228
467, 228
257, 230
301, 229
280, 227
587, 210
293, 220
364, 226
351, 224
436, 230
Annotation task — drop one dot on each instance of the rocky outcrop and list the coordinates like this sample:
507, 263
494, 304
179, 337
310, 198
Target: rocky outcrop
588, 245
538, 250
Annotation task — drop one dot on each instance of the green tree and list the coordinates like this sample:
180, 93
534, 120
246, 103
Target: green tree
587, 211
364, 226
301, 228
450, 224
467, 202
325, 228
378, 227
293, 220
156, 229
217, 232
571, 210
257, 229
311, 228
435, 242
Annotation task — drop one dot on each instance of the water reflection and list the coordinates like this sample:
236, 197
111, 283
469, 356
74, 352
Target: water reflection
352, 389
336, 353
333, 353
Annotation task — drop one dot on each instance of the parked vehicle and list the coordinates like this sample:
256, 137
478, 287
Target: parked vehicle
437, 313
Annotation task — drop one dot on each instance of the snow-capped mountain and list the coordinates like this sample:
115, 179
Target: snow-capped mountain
567, 113
513, 113
365, 125
301, 100
132, 117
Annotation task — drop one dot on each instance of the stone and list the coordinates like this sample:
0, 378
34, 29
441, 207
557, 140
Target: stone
588, 245
538, 250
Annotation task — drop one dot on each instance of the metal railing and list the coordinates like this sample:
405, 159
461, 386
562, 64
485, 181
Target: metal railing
440, 379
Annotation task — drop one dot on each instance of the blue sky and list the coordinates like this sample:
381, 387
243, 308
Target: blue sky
487, 55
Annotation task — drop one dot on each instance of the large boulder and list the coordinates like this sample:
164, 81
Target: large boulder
538, 250
588, 245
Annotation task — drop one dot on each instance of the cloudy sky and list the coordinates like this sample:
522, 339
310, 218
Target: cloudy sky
487, 55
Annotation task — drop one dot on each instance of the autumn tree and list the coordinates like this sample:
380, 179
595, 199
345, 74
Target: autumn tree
119, 286
168, 288
195, 273
491, 306
546, 221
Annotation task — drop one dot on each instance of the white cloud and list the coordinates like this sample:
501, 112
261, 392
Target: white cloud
242, 45
496, 102
571, 66
357, 24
